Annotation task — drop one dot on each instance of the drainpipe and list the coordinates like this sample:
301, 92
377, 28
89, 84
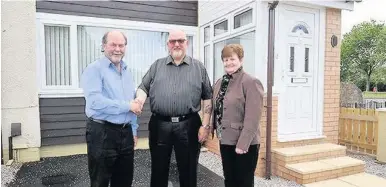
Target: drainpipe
2, 154
271, 46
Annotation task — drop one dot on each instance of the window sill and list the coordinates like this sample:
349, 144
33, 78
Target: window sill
60, 93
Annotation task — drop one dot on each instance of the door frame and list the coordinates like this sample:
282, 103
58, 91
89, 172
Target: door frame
320, 56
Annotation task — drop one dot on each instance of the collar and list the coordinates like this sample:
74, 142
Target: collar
237, 74
108, 63
187, 60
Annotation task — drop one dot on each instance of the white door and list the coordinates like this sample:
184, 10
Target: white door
298, 59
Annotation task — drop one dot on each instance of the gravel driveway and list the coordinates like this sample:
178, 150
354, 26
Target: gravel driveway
71, 171
74, 170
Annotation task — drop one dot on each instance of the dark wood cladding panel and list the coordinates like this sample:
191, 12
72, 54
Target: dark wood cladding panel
168, 12
63, 120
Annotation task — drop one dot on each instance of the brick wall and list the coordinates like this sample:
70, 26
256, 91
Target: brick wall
332, 76
331, 100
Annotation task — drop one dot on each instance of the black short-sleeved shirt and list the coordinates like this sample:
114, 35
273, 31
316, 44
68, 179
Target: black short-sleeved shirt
176, 90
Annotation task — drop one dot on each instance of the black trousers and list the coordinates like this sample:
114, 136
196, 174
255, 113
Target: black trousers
239, 169
183, 136
110, 150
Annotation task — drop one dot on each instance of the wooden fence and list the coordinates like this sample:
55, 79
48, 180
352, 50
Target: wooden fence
358, 129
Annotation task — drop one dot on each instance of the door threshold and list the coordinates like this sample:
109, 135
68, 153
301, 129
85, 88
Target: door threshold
291, 138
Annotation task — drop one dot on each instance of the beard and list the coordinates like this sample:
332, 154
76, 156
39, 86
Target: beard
115, 58
177, 53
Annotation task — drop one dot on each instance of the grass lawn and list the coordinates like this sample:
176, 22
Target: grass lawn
374, 95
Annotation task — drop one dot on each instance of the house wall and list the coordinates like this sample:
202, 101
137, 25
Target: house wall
331, 99
19, 100
63, 119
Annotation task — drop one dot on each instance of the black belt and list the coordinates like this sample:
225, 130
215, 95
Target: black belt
121, 125
174, 119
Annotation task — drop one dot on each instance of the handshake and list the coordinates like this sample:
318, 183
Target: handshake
136, 106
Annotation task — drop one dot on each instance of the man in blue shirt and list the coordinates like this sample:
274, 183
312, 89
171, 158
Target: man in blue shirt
111, 132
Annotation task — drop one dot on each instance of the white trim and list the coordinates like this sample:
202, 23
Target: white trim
73, 21
59, 94
338, 4
333, 4
322, 62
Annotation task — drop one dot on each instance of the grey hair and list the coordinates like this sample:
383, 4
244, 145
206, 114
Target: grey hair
104, 39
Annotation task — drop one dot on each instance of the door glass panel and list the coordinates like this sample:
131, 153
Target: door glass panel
306, 56
292, 59
301, 28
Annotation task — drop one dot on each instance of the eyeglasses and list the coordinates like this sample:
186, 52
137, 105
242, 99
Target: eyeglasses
180, 41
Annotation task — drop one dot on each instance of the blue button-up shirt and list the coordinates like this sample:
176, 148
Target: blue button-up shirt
108, 92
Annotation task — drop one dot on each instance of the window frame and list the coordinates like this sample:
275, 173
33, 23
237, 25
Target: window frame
74, 90
227, 35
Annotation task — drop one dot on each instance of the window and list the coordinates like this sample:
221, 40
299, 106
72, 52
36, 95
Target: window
221, 28
236, 27
206, 55
247, 40
206, 34
242, 19
300, 27
57, 52
70, 45
143, 48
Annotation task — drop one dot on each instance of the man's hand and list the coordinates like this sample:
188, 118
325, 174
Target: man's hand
139, 101
135, 141
136, 107
203, 134
239, 151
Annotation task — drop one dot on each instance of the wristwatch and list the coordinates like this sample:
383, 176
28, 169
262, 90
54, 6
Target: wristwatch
206, 126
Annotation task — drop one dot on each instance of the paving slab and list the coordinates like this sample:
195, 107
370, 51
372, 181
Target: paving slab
364, 180
330, 183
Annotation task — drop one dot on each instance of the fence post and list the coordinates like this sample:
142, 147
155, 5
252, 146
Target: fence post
381, 147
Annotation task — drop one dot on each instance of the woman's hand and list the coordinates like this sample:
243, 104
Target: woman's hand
239, 151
